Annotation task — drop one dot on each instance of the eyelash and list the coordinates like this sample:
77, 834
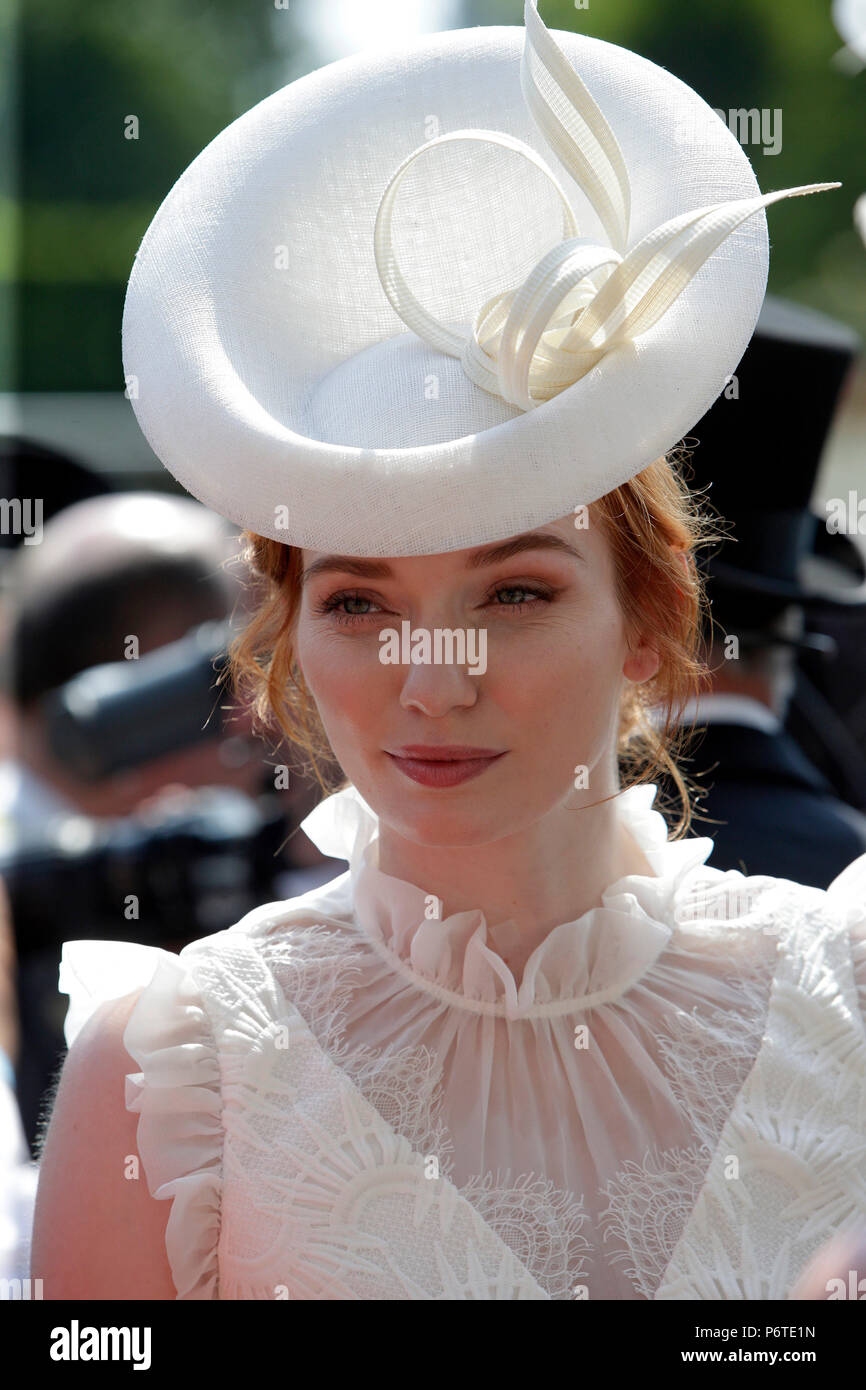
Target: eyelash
331, 605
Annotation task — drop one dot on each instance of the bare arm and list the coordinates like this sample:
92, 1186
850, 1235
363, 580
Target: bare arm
96, 1232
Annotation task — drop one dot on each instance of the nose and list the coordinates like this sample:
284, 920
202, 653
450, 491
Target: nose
436, 687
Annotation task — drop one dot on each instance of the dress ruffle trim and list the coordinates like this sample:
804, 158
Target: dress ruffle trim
176, 1094
588, 961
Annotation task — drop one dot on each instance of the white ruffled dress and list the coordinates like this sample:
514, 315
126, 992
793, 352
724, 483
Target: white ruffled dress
345, 1098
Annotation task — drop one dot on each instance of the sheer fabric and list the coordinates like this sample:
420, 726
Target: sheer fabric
568, 1121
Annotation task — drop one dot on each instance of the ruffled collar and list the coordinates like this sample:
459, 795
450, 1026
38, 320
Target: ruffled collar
579, 964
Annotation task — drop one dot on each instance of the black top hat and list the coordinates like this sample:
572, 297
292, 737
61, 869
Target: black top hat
32, 469
761, 444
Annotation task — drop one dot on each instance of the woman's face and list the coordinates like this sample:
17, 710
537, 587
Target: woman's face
547, 702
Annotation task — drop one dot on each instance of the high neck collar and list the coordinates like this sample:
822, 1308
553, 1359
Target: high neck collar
585, 962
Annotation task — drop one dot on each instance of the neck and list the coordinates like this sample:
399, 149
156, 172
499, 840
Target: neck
537, 878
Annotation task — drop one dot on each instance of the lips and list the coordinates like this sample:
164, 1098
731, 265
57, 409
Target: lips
445, 752
446, 765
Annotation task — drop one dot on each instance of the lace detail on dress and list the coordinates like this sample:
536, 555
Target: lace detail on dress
317, 972
797, 1130
539, 1222
707, 1054
858, 962
403, 1084
650, 1206
405, 1087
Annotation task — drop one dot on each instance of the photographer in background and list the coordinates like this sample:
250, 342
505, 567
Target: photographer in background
115, 580
135, 565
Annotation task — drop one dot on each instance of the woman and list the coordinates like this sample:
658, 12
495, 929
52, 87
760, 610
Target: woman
526, 1046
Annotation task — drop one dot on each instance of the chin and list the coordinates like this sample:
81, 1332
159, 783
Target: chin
479, 821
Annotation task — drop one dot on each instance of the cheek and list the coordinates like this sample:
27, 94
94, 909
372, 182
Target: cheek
339, 673
566, 690
577, 656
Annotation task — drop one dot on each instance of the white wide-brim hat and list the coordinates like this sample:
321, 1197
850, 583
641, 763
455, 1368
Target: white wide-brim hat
574, 240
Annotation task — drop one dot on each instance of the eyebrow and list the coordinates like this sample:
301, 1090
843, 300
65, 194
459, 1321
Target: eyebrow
479, 559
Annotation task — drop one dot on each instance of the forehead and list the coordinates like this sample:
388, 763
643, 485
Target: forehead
561, 539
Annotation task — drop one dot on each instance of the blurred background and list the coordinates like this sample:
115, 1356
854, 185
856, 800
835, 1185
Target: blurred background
102, 106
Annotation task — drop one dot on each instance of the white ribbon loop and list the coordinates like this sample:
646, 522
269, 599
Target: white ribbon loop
534, 340
568, 274
574, 127
657, 270
393, 283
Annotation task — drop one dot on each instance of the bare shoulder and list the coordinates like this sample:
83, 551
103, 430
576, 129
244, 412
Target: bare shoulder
97, 1232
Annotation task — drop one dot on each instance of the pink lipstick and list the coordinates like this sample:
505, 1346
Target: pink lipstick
443, 765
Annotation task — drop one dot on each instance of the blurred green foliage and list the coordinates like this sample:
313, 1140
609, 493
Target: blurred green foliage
86, 192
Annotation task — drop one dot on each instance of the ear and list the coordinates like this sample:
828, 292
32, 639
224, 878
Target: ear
641, 664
